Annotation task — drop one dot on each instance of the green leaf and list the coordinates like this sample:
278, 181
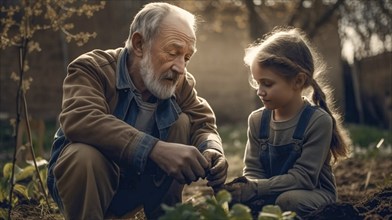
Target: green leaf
270, 212
240, 212
272, 209
25, 173
180, 211
7, 170
32, 189
21, 191
268, 216
41, 163
223, 196
214, 211
43, 174
288, 215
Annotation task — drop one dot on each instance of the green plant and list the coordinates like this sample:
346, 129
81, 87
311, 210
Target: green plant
19, 23
210, 208
273, 212
26, 186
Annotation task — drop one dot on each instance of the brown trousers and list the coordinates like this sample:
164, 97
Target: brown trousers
92, 187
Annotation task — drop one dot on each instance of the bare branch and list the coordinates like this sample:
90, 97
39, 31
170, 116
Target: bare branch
324, 18
296, 13
258, 26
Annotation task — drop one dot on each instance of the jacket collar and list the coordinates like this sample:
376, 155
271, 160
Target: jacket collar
122, 75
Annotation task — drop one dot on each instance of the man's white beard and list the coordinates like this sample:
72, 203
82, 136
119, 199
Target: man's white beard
155, 83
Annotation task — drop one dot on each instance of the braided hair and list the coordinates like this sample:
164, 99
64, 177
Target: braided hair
288, 52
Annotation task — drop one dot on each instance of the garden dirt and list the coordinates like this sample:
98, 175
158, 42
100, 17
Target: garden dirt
364, 190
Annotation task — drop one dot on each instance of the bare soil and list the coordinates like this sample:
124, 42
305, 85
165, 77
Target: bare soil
364, 189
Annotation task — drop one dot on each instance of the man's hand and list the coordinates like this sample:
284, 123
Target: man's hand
242, 190
183, 162
217, 173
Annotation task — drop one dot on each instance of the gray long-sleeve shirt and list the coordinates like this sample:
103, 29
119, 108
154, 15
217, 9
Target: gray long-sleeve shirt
311, 170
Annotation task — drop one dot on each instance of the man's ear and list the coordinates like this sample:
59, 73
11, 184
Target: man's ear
137, 44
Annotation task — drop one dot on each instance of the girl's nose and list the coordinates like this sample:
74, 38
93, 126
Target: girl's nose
261, 92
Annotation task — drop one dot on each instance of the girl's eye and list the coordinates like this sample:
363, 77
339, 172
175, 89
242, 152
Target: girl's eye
267, 84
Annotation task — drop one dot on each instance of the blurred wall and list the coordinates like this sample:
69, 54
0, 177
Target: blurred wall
375, 80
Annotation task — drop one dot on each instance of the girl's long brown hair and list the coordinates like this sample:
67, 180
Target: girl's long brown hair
288, 51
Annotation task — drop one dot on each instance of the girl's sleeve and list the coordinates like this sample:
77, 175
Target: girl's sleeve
306, 170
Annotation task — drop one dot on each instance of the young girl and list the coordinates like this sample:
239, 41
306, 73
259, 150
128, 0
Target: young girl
292, 140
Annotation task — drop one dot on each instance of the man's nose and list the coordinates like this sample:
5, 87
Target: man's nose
179, 65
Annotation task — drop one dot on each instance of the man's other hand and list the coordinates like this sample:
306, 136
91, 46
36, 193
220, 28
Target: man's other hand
217, 173
183, 162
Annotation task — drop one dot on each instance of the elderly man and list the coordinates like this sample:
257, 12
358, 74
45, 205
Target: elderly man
133, 130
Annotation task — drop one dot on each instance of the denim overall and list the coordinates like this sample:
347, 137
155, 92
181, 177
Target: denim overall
135, 189
278, 159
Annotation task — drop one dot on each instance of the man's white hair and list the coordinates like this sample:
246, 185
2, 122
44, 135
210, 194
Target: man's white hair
147, 21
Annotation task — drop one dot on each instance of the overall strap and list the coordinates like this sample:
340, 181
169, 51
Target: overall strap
303, 122
264, 125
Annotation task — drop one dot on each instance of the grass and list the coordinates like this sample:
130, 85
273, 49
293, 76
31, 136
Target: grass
234, 139
367, 136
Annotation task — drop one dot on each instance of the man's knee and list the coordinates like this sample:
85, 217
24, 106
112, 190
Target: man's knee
85, 180
82, 159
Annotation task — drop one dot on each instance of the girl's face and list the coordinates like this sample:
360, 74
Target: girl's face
275, 91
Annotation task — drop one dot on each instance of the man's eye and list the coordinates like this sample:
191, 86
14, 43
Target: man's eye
172, 53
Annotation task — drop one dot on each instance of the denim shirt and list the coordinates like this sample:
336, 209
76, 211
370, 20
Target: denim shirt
166, 114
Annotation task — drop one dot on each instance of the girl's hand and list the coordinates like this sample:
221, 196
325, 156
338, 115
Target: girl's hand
242, 190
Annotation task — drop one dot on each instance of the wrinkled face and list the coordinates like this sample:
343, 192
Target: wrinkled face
156, 83
274, 90
168, 57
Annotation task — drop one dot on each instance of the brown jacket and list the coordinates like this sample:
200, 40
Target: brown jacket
90, 97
